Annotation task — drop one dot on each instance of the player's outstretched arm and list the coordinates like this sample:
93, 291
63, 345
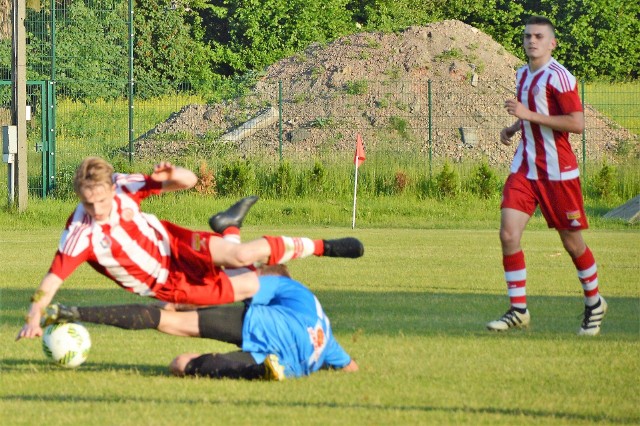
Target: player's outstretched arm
173, 178
39, 301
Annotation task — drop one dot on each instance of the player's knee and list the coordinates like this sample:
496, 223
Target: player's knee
508, 237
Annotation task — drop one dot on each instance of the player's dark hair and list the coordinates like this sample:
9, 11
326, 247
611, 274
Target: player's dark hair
541, 20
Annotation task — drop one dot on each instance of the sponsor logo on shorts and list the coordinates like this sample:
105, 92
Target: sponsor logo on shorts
574, 215
575, 223
195, 241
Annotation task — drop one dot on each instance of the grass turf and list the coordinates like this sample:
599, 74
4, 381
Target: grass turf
411, 312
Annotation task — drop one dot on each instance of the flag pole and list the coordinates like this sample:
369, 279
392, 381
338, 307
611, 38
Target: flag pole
358, 158
355, 190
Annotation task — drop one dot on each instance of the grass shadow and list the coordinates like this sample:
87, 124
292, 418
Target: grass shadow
409, 313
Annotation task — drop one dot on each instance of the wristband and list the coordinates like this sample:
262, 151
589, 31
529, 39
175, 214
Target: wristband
37, 296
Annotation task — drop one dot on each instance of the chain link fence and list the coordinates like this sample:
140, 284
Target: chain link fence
297, 129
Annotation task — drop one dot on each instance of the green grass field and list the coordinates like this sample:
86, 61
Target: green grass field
411, 312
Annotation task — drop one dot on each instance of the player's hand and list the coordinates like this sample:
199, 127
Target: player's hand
516, 108
505, 136
30, 330
162, 171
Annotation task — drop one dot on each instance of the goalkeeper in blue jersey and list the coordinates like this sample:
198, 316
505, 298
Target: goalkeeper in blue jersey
282, 331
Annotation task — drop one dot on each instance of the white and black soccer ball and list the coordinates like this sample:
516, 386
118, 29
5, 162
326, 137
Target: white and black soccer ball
66, 344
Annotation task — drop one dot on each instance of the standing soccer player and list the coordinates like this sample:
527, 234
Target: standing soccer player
545, 173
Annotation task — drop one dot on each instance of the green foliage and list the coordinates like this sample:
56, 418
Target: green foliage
400, 125
322, 122
446, 55
597, 38
395, 15
252, 35
484, 181
235, 179
91, 47
357, 87
168, 48
283, 181
447, 182
603, 183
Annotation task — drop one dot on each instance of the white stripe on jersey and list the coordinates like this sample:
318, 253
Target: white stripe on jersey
133, 182
74, 240
111, 264
535, 98
146, 262
147, 224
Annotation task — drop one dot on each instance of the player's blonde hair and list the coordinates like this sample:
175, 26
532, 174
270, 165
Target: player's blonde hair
92, 172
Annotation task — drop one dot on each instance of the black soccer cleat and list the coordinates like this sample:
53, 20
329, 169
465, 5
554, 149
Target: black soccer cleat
57, 313
343, 247
233, 216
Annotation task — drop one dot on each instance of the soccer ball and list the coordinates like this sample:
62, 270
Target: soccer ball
66, 344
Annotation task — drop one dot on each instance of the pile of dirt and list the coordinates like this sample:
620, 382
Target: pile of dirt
377, 84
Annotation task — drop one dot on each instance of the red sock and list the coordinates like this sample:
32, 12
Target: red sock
232, 233
284, 249
515, 274
588, 276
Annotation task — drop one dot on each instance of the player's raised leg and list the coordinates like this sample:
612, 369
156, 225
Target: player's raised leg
228, 222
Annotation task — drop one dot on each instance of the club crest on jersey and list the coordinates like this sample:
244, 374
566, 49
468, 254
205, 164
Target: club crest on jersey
535, 90
127, 215
105, 243
318, 340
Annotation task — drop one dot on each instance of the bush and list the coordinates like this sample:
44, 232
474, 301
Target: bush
314, 181
235, 178
604, 183
447, 182
484, 181
283, 180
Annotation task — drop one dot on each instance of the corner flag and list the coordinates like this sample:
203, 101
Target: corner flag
359, 158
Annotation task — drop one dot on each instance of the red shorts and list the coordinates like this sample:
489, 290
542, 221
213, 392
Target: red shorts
560, 202
193, 278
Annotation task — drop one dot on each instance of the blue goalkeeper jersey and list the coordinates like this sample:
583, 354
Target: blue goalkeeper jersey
284, 318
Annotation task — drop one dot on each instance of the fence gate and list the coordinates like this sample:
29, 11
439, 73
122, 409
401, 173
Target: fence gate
40, 133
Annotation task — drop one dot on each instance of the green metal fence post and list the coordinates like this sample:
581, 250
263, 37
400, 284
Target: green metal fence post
429, 124
131, 82
51, 116
280, 119
44, 148
584, 140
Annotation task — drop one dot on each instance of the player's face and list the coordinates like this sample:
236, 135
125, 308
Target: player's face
97, 201
539, 41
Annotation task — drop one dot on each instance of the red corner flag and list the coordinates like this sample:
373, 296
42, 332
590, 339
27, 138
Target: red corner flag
359, 157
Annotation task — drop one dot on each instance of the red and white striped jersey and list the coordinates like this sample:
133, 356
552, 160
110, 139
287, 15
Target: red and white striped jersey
132, 248
544, 153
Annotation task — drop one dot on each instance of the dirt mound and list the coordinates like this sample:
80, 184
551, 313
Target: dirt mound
377, 84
